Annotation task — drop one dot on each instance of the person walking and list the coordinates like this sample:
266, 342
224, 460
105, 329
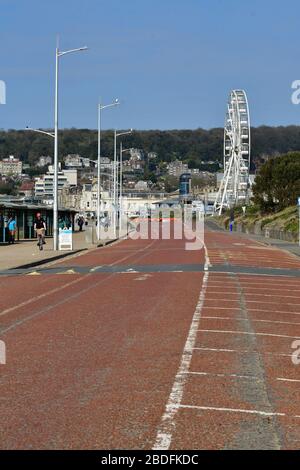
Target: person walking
12, 225
80, 223
40, 227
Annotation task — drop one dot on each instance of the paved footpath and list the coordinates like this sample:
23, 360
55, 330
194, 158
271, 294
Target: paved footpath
143, 344
26, 252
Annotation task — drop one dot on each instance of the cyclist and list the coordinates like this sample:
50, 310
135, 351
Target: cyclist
40, 227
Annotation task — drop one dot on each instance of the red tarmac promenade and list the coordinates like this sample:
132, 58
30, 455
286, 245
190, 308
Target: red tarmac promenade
144, 344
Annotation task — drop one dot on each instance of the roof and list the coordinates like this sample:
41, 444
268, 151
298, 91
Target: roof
26, 186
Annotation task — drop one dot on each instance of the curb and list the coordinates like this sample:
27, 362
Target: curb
45, 261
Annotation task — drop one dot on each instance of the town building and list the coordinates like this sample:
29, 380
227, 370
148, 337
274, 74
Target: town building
76, 161
44, 161
11, 166
26, 189
141, 186
177, 168
70, 197
44, 184
136, 160
152, 155
88, 201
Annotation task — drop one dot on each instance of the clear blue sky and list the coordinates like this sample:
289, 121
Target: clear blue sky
171, 62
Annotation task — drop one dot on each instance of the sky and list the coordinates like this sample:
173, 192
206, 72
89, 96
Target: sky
172, 63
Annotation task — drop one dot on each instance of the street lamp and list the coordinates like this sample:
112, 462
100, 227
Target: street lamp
100, 107
121, 183
58, 54
115, 174
39, 131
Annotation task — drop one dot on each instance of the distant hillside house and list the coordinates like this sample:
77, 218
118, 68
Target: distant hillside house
74, 160
152, 155
11, 166
137, 160
141, 185
44, 161
177, 168
26, 189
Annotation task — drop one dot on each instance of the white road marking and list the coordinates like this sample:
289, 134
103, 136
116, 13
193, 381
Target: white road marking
287, 380
269, 303
284, 312
221, 308
57, 289
95, 268
248, 333
255, 289
241, 351
220, 350
253, 320
143, 277
164, 434
231, 410
250, 377
69, 271
38, 297
268, 283
281, 296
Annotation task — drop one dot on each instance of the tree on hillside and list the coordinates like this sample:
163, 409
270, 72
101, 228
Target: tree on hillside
277, 184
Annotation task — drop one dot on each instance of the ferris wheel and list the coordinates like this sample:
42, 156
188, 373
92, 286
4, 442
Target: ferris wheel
237, 142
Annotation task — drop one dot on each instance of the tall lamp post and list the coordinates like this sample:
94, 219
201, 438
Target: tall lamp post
116, 135
100, 107
58, 54
121, 183
39, 131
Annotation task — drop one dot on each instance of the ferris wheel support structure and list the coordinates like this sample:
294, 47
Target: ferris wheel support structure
237, 147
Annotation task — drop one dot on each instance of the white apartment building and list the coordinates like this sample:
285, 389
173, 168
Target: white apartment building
11, 166
177, 168
88, 201
44, 185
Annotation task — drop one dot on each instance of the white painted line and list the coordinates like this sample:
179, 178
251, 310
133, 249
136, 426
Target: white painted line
269, 283
164, 434
207, 261
280, 296
220, 350
95, 268
248, 285
232, 410
250, 377
255, 289
287, 380
241, 351
39, 297
248, 333
268, 303
221, 308
284, 312
253, 320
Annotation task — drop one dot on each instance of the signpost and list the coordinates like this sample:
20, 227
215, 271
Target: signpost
65, 239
